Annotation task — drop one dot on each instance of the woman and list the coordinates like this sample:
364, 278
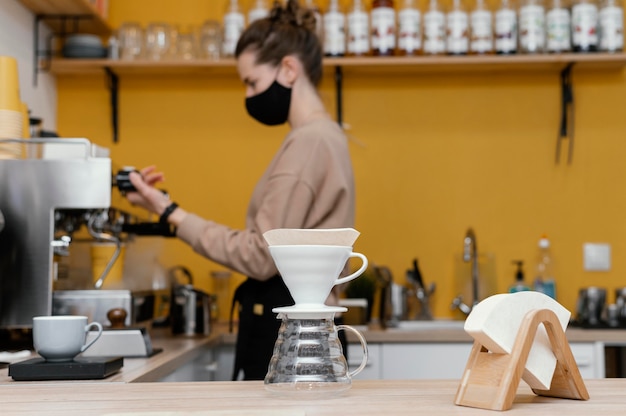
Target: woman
308, 184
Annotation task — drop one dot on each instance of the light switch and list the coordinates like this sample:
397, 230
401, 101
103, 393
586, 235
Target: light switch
597, 257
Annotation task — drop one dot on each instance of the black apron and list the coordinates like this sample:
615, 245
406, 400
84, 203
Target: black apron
258, 325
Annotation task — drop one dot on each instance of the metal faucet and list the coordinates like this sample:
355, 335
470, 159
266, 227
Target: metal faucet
470, 255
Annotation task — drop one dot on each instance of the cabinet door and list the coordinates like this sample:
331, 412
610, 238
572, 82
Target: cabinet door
200, 368
424, 360
372, 370
589, 358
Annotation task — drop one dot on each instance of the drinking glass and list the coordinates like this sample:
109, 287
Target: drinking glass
186, 45
131, 40
158, 37
210, 39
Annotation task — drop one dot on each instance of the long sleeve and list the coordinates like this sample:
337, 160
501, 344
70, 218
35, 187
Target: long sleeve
308, 184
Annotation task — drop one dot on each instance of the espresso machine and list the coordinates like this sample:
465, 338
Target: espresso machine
56, 200
58, 174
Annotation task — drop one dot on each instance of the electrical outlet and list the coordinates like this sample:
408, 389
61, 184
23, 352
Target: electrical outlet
597, 257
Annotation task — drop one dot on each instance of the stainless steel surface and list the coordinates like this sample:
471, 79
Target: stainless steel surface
590, 306
69, 176
95, 304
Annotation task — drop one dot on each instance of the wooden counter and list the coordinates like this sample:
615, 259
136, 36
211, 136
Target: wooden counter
176, 352
180, 350
397, 398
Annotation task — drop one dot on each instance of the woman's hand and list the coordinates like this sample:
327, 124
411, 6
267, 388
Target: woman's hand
147, 196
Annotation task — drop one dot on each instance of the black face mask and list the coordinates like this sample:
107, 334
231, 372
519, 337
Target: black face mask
271, 107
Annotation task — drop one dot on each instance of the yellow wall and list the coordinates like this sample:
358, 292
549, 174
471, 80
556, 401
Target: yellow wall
433, 155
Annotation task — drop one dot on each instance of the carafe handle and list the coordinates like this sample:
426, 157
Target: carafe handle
355, 274
363, 345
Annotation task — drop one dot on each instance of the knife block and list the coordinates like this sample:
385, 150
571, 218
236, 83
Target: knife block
490, 380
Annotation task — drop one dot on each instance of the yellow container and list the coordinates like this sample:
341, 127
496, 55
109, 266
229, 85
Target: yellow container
9, 85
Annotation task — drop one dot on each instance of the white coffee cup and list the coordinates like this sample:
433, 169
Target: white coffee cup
311, 271
63, 337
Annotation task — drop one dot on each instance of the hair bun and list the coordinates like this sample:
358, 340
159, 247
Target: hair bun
293, 14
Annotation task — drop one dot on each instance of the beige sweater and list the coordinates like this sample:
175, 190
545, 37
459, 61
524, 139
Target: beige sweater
308, 184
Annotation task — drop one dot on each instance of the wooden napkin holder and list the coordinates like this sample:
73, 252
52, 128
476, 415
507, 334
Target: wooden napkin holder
490, 380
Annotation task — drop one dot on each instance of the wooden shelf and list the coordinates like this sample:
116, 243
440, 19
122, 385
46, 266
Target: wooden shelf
94, 23
420, 64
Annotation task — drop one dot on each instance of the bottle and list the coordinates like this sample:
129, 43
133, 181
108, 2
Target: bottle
457, 29
358, 30
383, 27
319, 23
532, 31
481, 40
334, 30
611, 21
519, 285
544, 277
234, 23
259, 10
558, 24
584, 26
409, 29
506, 29
434, 29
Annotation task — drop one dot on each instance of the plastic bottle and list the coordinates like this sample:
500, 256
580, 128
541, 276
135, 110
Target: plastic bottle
611, 21
434, 29
409, 29
532, 30
544, 277
383, 27
506, 29
334, 30
481, 40
457, 28
558, 23
259, 10
519, 285
358, 30
234, 23
584, 26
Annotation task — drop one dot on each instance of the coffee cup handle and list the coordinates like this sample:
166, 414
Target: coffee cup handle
357, 273
363, 345
90, 343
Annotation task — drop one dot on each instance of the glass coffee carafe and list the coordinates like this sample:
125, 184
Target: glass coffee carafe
308, 356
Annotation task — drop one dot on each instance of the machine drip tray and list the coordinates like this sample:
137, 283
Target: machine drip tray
78, 369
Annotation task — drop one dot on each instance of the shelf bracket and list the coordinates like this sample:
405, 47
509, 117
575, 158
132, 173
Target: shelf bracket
113, 85
339, 94
68, 24
566, 127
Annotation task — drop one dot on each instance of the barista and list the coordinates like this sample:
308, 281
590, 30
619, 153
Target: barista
308, 184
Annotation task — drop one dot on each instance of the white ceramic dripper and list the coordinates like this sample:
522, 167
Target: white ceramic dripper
310, 262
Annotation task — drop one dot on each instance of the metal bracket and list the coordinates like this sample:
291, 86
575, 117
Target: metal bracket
339, 94
566, 127
68, 24
113, 85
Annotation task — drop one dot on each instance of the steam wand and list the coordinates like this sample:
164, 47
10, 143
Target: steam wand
104, 237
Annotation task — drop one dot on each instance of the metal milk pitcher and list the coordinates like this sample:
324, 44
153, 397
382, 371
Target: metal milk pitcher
308, 356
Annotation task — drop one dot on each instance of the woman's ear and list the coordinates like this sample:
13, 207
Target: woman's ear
292, 68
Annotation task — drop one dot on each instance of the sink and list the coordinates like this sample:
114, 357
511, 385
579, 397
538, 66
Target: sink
434, 324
